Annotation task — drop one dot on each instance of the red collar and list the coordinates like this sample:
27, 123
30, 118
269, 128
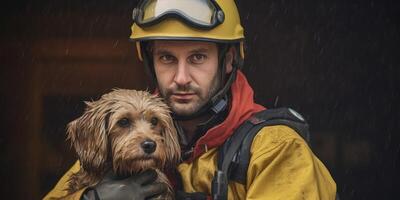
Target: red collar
243, 106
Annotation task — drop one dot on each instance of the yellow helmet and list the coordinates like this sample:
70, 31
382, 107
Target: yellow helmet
204, 20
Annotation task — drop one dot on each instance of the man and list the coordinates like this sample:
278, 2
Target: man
193, 50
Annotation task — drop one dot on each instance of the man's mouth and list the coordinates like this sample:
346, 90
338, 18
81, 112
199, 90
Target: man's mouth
182, 97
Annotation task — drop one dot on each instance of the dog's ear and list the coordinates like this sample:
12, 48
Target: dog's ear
88, 136
171, 139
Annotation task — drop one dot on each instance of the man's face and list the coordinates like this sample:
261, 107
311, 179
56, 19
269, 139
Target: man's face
187, 73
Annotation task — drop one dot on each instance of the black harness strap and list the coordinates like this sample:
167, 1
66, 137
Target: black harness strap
220, 181
234, 154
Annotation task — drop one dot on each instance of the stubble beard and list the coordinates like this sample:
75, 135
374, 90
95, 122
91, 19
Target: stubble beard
194, 105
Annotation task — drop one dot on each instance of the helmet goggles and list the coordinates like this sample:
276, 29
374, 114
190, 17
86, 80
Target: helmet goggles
203, 14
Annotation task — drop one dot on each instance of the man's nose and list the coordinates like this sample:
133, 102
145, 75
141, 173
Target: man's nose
182, 76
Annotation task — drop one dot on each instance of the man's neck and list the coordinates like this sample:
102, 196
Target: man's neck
190, 126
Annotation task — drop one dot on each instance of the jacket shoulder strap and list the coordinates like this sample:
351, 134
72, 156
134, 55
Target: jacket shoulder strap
219, 187
280, 116
234, 155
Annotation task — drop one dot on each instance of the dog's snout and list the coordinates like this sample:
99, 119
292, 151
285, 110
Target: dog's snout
149, 146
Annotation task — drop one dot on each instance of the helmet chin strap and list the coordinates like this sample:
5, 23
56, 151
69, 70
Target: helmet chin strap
206, 109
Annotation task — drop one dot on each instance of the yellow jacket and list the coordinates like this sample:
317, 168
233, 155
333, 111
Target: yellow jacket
282, 166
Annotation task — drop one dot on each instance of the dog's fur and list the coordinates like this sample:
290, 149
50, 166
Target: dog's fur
110, 136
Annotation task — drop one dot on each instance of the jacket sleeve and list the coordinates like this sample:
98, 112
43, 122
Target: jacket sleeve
282, 166
59, 191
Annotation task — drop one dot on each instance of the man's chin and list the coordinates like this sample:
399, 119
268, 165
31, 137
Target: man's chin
183, 109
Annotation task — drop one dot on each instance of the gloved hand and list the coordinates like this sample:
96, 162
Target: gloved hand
136, 187
180, 195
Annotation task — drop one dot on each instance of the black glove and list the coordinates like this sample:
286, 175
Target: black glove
136, 187
179, 195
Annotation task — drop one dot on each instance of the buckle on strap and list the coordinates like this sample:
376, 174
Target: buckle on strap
219, 187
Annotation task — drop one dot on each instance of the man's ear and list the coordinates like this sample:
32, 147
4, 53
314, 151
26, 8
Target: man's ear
229, 56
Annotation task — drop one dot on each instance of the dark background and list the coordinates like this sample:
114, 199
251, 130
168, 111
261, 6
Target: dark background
336, 62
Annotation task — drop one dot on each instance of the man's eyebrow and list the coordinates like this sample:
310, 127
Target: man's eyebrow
165, 51
199, 50
162, 52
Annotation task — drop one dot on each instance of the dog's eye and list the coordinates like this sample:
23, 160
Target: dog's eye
154, 121
124, 122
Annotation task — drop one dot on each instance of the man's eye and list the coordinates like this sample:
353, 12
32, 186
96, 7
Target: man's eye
198, 58
167, 59
124, 122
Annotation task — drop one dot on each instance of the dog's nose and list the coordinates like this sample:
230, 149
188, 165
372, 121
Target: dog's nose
149, 146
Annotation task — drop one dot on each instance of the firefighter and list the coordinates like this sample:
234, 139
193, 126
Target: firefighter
193, 51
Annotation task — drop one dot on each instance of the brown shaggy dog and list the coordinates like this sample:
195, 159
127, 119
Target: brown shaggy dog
126, 131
